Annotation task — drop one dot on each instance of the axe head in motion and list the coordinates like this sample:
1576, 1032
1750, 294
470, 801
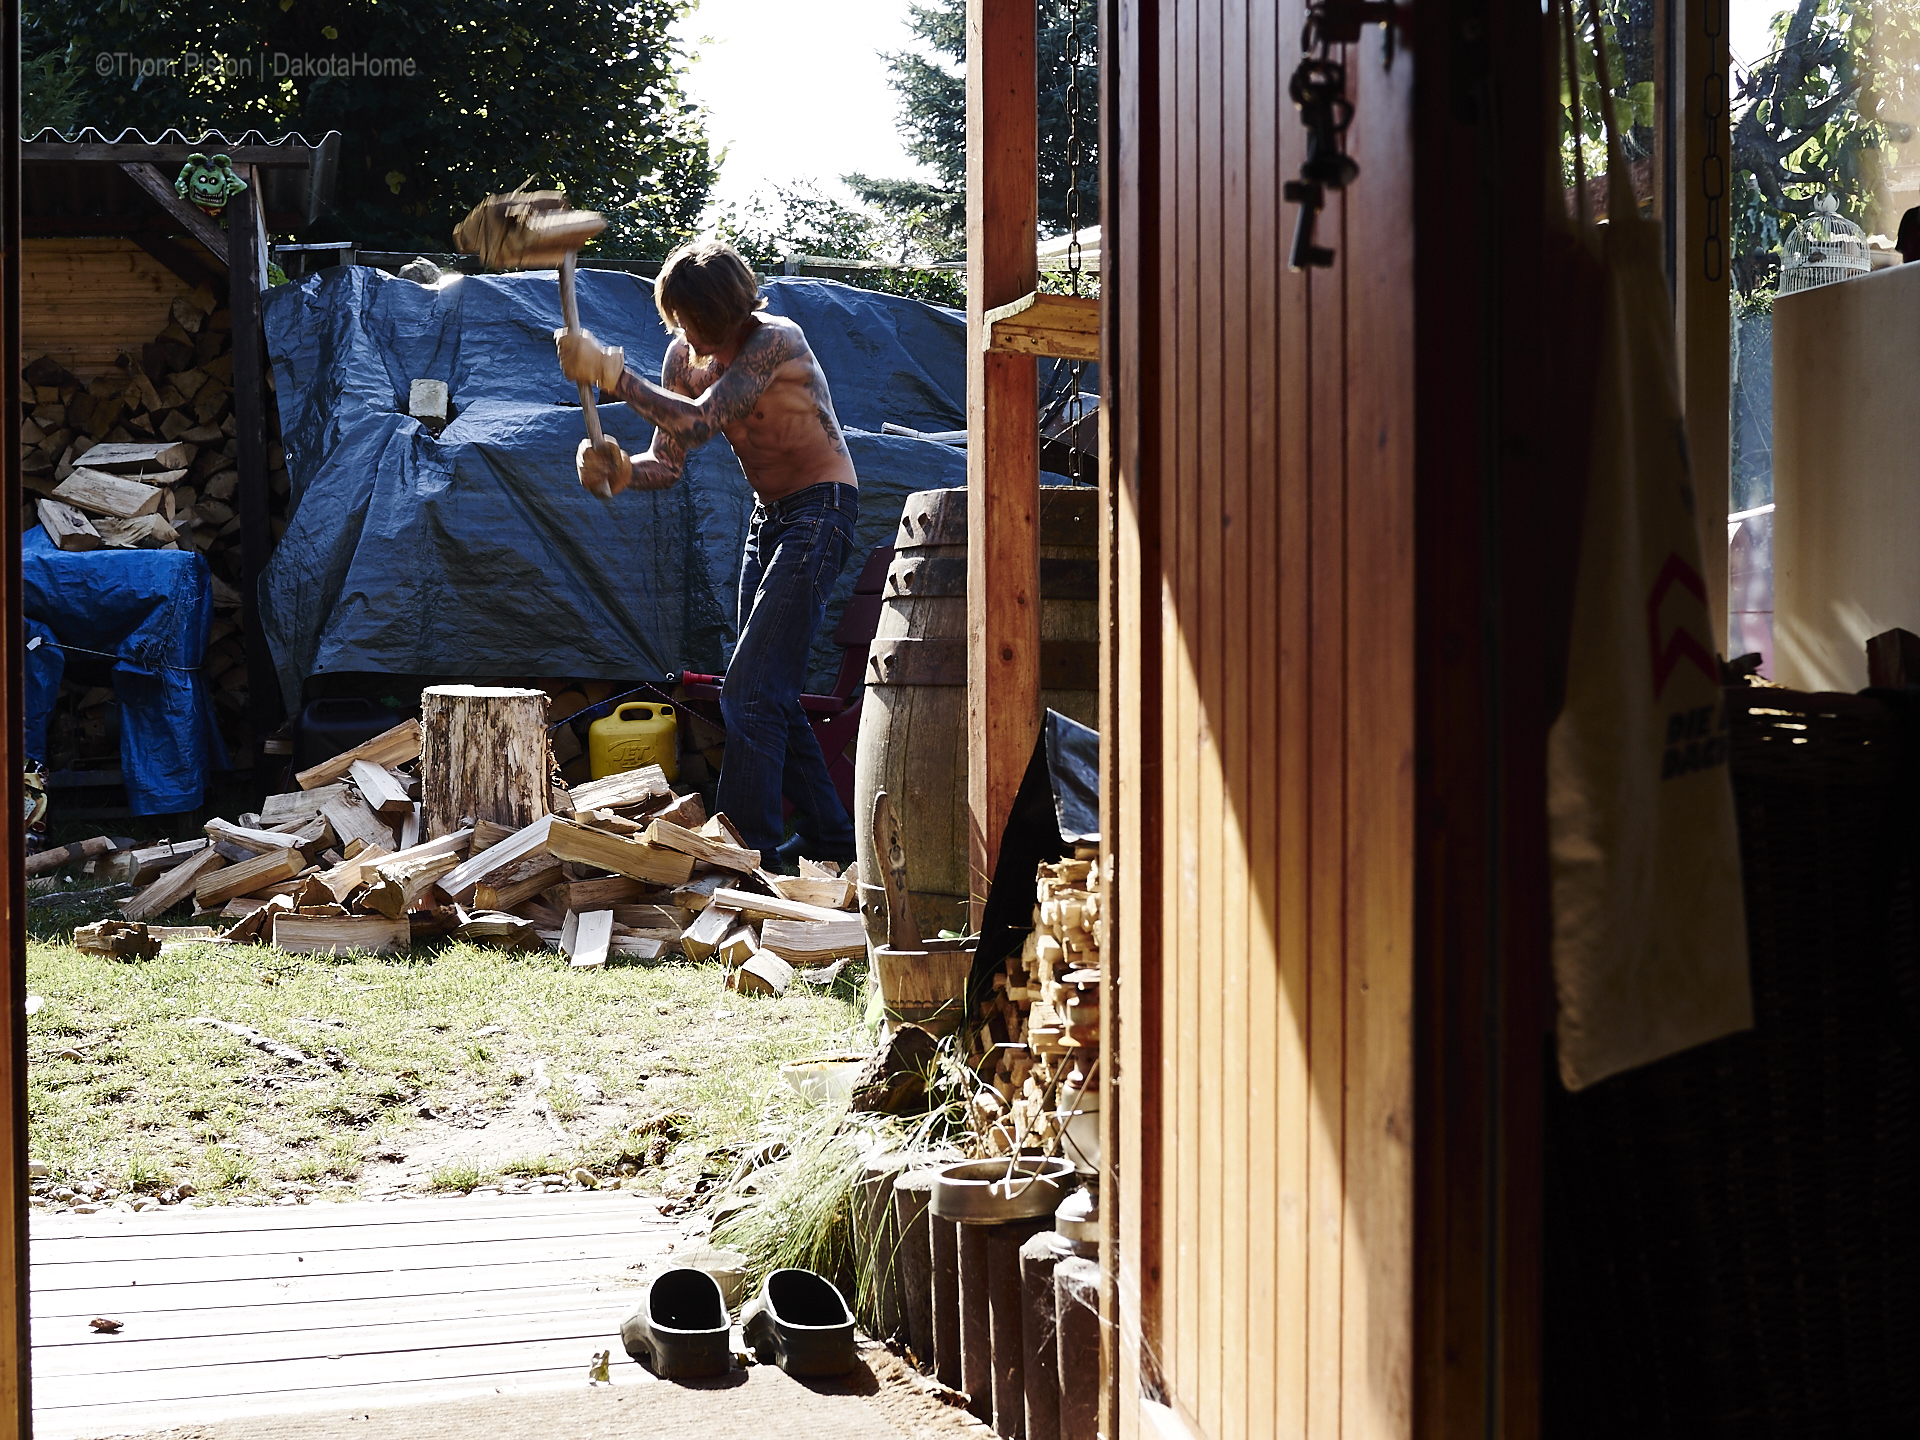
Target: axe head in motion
526, 230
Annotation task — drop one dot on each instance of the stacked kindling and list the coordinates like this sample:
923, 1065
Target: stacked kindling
622, 867
1042, 1020
146, 457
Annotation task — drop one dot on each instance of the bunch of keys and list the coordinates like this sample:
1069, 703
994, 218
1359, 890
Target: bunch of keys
1319, 92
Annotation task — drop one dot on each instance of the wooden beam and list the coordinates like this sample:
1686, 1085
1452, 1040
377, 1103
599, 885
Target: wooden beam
1064, 326
190, 217
1702, 278
16, 1397
1003, 456
250, 410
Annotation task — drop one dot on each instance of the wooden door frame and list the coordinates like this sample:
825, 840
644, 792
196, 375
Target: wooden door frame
16, 1399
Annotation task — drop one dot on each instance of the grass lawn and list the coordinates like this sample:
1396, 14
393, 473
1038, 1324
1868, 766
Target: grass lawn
444, 1069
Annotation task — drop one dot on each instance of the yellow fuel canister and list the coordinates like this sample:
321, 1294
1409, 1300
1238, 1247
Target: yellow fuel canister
634, 735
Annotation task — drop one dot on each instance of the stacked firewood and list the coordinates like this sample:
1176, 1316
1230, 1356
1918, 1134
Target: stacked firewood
621, 867
146, 457
1042, 1020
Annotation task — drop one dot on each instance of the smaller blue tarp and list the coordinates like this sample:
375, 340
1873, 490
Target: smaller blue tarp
46, 663
150, 611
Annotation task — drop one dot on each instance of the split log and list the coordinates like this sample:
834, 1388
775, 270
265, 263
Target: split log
399, 880
623, 791
648, 917
486, 835
352, 819
701, 940
584, 938
814, 942
740, 946
255, 842
670, 836
696, 895
173, 887
138, 457
688, 810
343, 879
68, 528
301, 805
116, 939
392, 747
257, 924
772, 907
379, 790
484, 755
508, 886
830, 894
460, 881
103, 494
764, 973
492, 927
640, 947
255, 874
146, 532
636, 859
152, 861
339, 935
614, 891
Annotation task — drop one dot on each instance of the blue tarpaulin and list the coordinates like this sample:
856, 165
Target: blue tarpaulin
149, 611
475, 552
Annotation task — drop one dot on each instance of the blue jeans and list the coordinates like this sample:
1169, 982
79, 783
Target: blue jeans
796, 548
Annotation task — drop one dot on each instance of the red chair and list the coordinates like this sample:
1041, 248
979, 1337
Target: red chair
836, 716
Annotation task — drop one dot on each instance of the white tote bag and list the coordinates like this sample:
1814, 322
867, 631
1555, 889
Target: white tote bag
1649, 924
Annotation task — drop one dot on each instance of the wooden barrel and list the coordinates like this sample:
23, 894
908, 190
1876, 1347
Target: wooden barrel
913, 725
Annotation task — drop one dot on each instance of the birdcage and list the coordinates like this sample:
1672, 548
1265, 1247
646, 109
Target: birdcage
1821, 249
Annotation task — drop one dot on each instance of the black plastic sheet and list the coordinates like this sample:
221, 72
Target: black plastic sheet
475, 552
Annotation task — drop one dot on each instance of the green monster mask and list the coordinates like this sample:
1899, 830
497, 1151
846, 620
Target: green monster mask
208, 183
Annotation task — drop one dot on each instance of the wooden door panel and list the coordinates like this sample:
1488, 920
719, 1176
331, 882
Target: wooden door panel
1263, 764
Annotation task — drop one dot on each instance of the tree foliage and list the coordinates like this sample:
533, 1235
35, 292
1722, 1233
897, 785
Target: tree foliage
583, 94
1817, 115
933, 118
801, 220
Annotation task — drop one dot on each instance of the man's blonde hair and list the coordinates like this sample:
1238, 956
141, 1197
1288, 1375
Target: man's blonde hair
709, 283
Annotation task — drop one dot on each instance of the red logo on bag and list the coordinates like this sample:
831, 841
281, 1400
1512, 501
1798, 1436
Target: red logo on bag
1683, 644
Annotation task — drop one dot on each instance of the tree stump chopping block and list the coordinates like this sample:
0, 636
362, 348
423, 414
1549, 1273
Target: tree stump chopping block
483, 756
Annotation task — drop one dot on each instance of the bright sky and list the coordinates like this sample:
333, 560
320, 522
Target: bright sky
796, 90
1749, 20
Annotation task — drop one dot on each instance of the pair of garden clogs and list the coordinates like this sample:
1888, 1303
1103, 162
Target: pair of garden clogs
799, 1321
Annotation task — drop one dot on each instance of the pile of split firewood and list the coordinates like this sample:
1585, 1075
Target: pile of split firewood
622, 866
146, 457
1041, 1025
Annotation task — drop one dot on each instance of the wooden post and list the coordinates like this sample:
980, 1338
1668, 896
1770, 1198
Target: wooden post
250, 409
483, 756
1703, 256
16, 1400
1003, 458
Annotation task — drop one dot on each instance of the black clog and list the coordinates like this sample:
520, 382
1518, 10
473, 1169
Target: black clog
800, 1322
681, 1330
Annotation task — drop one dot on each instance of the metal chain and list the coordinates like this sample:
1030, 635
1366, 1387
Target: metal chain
1713, 114
1076, 407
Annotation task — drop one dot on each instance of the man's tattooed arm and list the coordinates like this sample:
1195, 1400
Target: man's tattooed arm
732, 397
666, 457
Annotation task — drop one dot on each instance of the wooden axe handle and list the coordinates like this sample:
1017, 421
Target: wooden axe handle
570, 312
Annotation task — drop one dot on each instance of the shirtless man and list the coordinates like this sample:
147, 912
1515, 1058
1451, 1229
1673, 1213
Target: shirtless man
732, 370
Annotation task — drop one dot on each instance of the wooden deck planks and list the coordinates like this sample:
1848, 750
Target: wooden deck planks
231, 1311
